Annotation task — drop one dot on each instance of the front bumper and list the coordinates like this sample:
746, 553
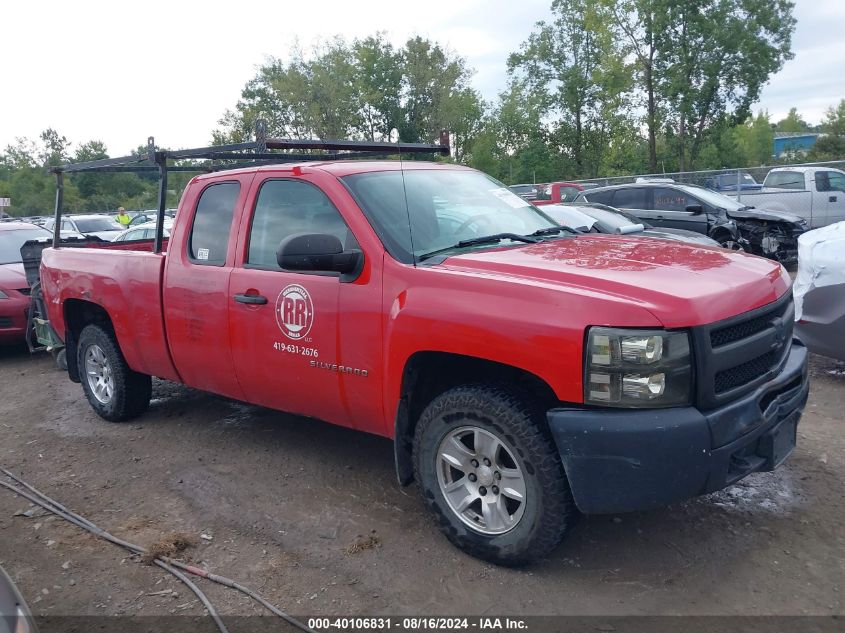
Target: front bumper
622, 460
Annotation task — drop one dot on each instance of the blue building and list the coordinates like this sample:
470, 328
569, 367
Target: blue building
793, 143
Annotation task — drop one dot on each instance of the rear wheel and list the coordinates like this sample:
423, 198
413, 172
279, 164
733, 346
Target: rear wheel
492, 475
114, 391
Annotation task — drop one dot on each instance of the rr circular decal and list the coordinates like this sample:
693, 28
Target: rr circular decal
294, 312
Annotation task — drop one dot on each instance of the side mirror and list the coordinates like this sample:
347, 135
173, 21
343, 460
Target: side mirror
317, 252
694, 208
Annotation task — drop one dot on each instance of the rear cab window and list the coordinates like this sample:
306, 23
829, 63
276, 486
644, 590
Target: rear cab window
208, 242
786, 180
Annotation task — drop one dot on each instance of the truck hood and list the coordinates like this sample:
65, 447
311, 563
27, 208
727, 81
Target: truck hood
681, 285
12, 277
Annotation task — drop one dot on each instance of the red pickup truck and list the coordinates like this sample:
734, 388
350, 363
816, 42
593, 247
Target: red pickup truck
524, 371
557, 193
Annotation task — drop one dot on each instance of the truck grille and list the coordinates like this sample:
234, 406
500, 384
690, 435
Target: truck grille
745, 373
736, 355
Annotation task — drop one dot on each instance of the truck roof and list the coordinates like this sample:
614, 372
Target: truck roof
804, 170
338, 168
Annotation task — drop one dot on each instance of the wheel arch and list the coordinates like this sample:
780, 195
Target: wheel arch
429, 373
79, 313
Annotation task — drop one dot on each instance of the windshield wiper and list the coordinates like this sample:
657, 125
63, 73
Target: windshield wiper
553, 230
484, 239
496, 237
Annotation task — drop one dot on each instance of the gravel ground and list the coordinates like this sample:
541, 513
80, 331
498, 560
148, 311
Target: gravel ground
310, 515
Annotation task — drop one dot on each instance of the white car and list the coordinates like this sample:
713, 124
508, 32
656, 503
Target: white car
101, 226
145, 231
816, 194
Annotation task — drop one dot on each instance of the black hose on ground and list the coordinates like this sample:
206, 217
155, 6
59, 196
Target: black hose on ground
39, 498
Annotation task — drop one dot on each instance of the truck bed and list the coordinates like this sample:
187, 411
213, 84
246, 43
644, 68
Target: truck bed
125, 281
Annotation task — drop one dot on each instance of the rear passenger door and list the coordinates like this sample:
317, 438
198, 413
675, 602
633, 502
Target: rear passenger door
833, 196
197, 284
284, 324
634, 200
670, 205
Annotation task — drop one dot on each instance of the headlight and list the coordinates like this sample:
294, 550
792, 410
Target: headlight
637, 368
3, 295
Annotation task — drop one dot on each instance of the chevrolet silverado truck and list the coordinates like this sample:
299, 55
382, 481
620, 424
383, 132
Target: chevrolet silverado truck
525, 372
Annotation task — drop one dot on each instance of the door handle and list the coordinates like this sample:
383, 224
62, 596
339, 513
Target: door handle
251, 299
831, 199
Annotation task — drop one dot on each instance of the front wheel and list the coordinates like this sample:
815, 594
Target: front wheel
114, 391
492, 475
730, 243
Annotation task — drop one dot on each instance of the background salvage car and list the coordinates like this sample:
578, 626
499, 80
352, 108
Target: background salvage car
733, 224
820, 291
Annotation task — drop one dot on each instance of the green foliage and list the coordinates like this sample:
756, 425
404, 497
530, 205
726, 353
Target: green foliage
828, 147
361, 90
834, 120
793, 123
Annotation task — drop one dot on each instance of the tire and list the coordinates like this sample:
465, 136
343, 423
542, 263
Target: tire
512, 533
726, 241
60, 358
114, 391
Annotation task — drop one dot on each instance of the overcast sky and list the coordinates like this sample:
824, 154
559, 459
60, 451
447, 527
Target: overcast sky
119, 71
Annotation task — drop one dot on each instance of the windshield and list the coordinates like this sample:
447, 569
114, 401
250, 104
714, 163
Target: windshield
443, 207
91, 225
712, 198
11, 242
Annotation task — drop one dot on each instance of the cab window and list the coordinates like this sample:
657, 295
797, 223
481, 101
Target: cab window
289, 207
209, 239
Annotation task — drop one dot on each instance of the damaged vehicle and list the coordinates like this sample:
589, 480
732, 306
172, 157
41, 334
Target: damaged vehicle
734, 225
592, 217
820, 291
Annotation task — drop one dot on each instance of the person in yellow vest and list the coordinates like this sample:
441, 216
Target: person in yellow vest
123, 217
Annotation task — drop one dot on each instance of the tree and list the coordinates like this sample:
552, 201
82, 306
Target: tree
55, 150
755, 140
834, 120
575, 70
378, 73
828, 148
701, 60
793, 123
638, 24
361, 90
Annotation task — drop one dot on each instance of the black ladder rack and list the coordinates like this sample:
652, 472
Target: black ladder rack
258, 152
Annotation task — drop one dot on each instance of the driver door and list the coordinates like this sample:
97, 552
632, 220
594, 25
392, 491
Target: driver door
284, 324
670, 210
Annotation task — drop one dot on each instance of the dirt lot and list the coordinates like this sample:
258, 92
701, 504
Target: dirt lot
284, 500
